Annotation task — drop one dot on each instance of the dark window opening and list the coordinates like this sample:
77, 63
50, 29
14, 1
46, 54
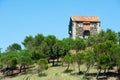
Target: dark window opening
86, 33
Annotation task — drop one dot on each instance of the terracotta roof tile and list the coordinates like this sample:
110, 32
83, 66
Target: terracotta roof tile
85, 18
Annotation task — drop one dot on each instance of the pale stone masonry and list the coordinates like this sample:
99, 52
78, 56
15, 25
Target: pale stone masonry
84, 26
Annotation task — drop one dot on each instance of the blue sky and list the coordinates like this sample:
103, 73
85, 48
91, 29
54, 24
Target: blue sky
21, 18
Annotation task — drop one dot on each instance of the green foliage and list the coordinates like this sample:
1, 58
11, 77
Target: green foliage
108, 35
28, 42
115, 52
36, 46
79, 44
44, 49
58, 49
9, 58
50, 40
68, 44
103, 54
68, 59
1, 66
38, 40
89, 57
25, 58
80, 57
101, 37
14, 48
91, 41
118, 37
103, 49
104, 60
111, 35
13, 61
42, 65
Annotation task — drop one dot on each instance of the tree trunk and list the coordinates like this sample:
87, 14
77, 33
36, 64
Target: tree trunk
118, 69
104, 71
57, 59
12, 72
24, 68
98, 74
88, 67
67, 67
53, 63
78, 68
20, 68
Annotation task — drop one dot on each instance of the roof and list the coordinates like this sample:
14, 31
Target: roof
85, 18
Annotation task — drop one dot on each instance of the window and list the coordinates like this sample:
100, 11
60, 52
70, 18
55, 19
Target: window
86, 33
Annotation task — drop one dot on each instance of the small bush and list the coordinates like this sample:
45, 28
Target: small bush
1, 66
42, 65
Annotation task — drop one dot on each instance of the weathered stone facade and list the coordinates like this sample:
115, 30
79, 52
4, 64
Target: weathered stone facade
84, 26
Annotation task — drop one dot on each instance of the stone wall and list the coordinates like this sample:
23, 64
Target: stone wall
79, 30
93, 29
76, 29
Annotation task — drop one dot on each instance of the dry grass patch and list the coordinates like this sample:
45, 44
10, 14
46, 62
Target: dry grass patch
58, 73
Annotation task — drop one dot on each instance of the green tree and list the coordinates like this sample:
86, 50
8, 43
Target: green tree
118, 37
115, 54
68, 59
51, 41
58, 49
9, 61
79, 59
28, 42
14, 48
108, 35
12, 63
111, 35
37, 52
100, 37
79, 44
39, 38
33, 44
25, 60
68, 44
90, 41
44, 48
103, 62
88, 60
103, 55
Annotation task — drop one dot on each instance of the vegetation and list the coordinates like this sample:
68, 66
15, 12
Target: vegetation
42, 65
101, 52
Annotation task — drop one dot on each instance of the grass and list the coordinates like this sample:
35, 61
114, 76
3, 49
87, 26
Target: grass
54, 73
57, 73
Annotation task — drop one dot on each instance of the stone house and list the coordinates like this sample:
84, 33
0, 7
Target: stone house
84, 26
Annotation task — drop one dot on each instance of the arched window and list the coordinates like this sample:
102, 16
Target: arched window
86, 33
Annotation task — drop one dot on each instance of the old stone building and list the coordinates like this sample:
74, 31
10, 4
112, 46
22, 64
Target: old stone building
83, 26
